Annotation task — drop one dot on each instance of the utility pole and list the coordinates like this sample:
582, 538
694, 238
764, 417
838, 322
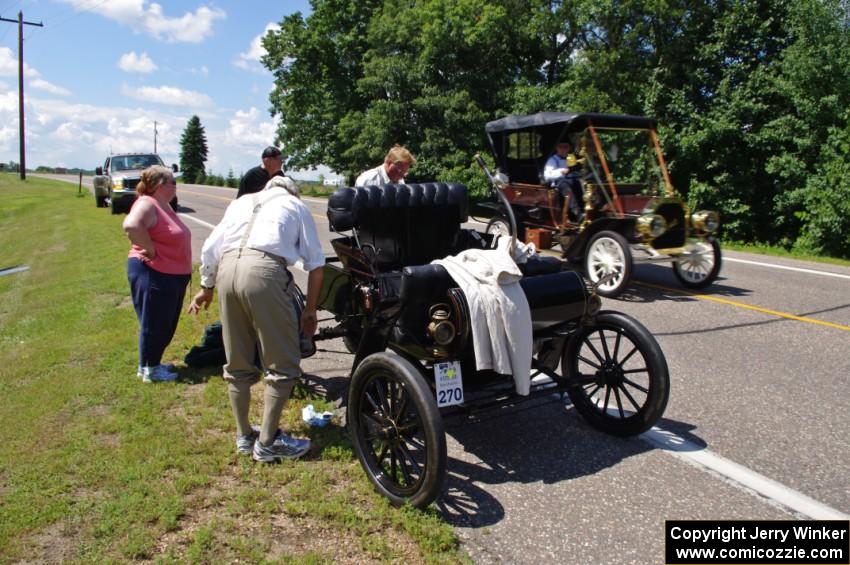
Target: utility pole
154, 136
20, 21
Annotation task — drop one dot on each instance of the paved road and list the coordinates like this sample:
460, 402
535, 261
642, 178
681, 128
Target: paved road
756, 427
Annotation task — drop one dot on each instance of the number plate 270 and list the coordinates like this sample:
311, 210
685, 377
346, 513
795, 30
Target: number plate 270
449, 383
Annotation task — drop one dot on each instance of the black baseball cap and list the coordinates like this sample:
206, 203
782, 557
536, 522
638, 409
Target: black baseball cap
271, 151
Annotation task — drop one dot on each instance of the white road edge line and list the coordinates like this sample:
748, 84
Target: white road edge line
194, 219
786, 268
689, 451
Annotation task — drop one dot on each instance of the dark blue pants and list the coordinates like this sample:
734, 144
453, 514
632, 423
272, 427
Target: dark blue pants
158, 299
570, 184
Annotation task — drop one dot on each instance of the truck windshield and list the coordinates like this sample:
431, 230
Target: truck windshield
134, 162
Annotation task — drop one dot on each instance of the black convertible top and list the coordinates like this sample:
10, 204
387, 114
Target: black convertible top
545, 129
570, 120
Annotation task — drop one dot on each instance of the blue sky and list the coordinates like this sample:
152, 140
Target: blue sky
101, 72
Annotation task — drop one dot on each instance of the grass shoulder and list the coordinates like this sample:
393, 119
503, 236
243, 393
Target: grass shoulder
96, 466
776, 251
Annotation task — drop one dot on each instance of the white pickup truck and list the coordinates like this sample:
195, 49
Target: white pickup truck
115, 182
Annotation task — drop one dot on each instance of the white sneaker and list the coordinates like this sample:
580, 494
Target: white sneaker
157, 374
245, 444
283, 447
168, 367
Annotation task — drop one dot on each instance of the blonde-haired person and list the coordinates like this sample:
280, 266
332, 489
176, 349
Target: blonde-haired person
159, 268
396, 164
246, 257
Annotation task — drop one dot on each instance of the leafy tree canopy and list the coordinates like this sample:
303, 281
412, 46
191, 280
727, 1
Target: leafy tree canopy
751, 95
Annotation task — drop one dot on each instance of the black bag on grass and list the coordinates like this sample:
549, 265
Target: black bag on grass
211, 351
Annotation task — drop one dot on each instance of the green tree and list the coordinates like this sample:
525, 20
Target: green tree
317, 62
193, 150
231, 180
354, 78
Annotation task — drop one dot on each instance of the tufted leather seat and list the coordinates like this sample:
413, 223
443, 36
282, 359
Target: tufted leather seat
402, 224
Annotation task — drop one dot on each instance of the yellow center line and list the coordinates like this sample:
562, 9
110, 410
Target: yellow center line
749, 307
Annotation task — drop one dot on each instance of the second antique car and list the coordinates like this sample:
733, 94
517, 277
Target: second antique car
632, 214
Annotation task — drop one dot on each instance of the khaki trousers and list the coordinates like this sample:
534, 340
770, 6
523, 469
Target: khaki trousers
257, 313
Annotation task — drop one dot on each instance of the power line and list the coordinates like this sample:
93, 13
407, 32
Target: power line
60, 20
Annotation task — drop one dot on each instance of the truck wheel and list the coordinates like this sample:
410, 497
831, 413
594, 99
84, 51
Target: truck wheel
609, 253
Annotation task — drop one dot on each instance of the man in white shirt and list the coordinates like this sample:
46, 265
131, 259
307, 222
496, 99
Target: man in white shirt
396, 164
564, 178
246, 256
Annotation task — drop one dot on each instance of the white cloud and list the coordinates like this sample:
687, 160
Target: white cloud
42, 84
191, 27
132, 63
9, 64
203, 71
251, 129
239, 144
170, 95
9, 67
250, 59
82, 135
9, 103
63, 134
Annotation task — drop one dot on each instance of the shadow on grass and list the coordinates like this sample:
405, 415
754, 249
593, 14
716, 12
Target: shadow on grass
196, 376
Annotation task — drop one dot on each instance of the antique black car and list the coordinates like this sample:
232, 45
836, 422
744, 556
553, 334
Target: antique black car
408, 326
631, 212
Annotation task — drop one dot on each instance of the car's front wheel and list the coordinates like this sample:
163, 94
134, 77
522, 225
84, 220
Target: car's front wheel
699, 265
608, 253
619, 376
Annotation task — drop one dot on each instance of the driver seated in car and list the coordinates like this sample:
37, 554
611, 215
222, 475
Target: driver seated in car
560, 173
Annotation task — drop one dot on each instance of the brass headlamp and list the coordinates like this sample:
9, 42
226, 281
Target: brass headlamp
440, 328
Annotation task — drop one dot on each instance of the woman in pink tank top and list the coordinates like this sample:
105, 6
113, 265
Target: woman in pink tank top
159, 267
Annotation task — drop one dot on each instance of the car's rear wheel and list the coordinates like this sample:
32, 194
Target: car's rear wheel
699, 265
397, 430
608, 253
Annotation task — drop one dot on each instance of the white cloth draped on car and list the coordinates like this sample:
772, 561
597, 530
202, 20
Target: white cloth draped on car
499, 313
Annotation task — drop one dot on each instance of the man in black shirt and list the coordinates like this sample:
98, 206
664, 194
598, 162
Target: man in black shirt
255, 179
